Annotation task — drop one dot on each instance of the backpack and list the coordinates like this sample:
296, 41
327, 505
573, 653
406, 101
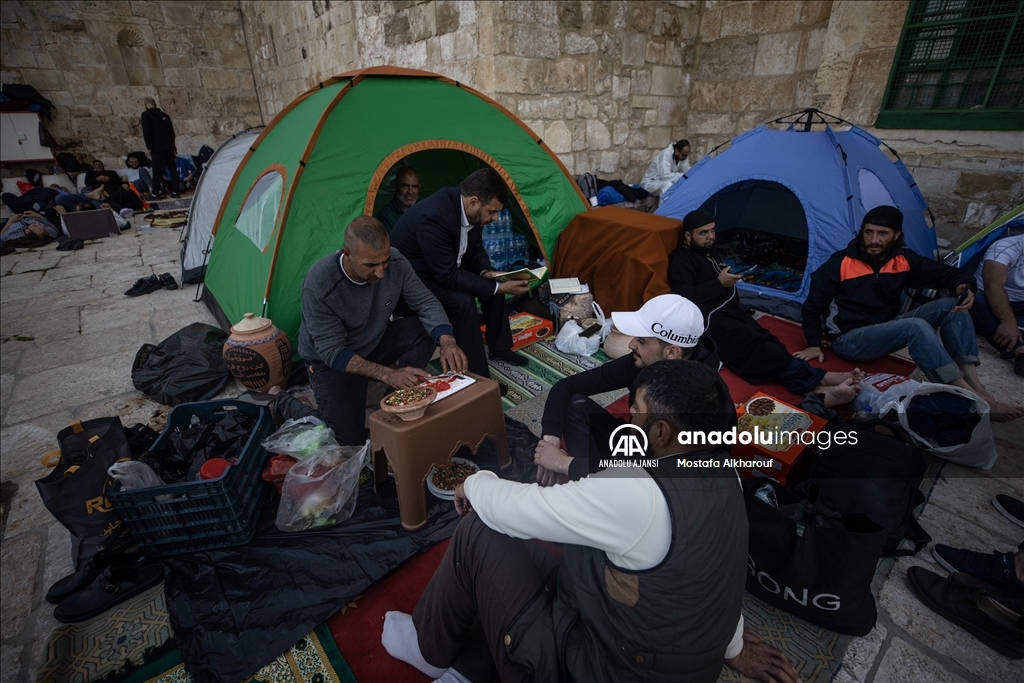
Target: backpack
879, 477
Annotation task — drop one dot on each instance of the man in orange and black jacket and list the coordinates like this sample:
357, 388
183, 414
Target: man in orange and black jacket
856, 295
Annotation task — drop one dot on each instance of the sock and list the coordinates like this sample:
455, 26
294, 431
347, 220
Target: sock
399, 639
452, 676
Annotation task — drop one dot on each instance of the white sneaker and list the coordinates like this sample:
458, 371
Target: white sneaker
126, 213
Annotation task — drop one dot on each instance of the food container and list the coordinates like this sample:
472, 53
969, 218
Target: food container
412, 410
448, 494
258, 354
780, 434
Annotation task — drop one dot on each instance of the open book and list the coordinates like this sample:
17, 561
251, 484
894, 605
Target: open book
521, 274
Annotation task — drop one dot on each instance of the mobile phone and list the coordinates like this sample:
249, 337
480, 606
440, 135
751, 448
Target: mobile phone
745, 271
963, 295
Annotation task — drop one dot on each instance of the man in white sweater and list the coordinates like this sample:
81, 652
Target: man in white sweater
666, 167
652, 579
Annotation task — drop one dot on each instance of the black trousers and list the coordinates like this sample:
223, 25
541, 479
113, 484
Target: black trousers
461, 310
485, 580
341, 397
588, 427
164, 158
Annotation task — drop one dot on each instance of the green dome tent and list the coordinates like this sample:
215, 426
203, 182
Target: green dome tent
328, 157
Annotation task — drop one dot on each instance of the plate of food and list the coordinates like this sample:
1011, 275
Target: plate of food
408, 404
441, 481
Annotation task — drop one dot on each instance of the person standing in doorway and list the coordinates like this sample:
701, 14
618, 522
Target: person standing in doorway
158, 132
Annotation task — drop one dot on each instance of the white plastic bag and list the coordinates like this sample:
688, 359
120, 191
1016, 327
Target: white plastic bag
321, 489
135, 475
570, 341
882, 391
979, 452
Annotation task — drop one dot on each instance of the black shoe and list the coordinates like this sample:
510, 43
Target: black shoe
1013, 601
1012, 508
71, 584
995, 569
152, 197
510, 357
115, 584
176, 195
167, 281
502, 389
991, 622
144, 285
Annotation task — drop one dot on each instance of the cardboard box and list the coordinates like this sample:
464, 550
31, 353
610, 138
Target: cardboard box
526, 329
779, 432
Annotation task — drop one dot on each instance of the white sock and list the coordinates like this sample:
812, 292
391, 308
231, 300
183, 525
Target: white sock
399, 639
452, 676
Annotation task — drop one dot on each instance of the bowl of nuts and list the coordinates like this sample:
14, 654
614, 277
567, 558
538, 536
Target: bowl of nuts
409, 404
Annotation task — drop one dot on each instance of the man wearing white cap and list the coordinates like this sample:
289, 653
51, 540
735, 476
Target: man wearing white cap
668, 327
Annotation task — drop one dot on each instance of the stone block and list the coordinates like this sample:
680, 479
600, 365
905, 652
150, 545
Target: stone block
867, 85
710, 124
667, 80
670, 111
598, 136
178, 14
645, 101
640, 16
728, 59
609, 162
44, 79
773, 17
620, 130
815, 11
219, 79
936, 181
16, 584
655, 52
620, 87
977, 214
861, 655
421, 21
711, 96
535, 41
634, 49
575, 44
570, 14
518, 75
805, 91
397, 30
641, 83
543, 13
659, 137
765, 94
777, 54
16, 59
735, 19
811, 47
558, 137
601, 15
566, 75
579, 132
446, 16
987, 185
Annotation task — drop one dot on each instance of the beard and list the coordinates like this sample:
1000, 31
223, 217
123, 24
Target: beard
703, 251
873, 259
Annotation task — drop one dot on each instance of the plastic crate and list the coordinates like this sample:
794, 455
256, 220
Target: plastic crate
200, 515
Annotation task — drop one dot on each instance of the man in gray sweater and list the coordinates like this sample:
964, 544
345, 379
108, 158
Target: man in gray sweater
347, 336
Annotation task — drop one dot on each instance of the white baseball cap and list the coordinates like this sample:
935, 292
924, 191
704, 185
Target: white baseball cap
669, 317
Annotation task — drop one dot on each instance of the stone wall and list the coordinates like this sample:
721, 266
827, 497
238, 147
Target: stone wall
97, 60
605, 83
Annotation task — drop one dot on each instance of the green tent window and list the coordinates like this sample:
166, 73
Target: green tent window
259, 212
959, 65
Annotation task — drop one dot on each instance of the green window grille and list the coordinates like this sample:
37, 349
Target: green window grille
959, 65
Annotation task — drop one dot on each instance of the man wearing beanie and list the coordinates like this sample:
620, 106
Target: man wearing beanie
668, 327
746, 348
855, 296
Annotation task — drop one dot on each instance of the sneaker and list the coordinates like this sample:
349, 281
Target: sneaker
995, 569
167, 281
1011, 508
144, 285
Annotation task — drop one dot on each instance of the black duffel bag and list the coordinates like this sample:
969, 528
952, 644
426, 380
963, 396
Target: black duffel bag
879, 477
810, 561
75, 491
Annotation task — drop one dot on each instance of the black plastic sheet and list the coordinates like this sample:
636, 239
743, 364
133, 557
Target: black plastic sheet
185, 367
234, 610
187, 449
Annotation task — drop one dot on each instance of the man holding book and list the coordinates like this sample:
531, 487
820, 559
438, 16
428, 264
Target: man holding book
441, 236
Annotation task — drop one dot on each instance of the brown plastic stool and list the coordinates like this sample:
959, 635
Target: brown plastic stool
465, 418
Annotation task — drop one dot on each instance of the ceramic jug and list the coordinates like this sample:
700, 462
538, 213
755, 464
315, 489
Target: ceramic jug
258, 354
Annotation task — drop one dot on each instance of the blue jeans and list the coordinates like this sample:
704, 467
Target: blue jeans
71, 201
986, 321
939, 361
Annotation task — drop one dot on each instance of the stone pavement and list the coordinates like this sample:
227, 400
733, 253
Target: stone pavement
69, 336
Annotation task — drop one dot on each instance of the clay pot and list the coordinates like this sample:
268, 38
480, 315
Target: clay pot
617, 344
258, 354
410, 411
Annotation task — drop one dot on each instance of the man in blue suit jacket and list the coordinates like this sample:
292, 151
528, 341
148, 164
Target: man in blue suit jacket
442, 238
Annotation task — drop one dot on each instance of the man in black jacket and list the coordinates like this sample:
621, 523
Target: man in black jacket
441, 237
158, 132
668, 327
856, 294
746, 348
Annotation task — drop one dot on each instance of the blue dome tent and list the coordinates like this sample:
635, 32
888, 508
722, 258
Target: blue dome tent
786, 200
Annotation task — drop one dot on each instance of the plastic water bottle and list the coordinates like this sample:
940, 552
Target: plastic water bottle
864, 414
498, 260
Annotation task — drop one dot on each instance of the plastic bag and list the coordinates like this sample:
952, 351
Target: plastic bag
569, 339
882, 391
979, 450
300, 438
135, 475
185, 367
276, 470
320, 490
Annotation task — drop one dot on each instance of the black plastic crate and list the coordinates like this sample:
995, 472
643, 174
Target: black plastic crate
200, 515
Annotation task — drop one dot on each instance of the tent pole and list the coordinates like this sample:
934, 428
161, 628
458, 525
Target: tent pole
202, 281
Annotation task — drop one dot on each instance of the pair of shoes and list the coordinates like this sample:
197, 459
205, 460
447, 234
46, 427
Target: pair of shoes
510, 357
118, 582
1011, 508
1009, 600
167, 281
995, 569
990, 621
144, 285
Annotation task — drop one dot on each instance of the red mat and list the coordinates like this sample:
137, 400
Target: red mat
357, 631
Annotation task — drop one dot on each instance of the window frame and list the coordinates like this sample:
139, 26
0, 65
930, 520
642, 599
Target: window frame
950, 119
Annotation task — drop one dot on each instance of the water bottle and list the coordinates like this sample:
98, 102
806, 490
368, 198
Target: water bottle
524, 249
864, 414
498, 260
